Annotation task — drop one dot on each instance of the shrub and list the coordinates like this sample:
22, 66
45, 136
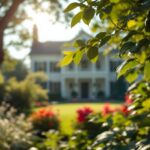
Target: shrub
88, 121
15, 131
21, 94
44, 119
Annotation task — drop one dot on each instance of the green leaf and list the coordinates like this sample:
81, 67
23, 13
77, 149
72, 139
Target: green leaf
131, 76
78, 56
105, 40
1, 79
147, 71
146, 104
147, 23
93, 42
92, 54
114, 1
67, 52
129, 35
66, 60
101, 35
125, 66
108, 9
76, 19
88, 14
127, 46
79, 43
71, 6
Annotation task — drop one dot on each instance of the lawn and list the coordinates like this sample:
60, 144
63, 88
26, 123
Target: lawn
67, 113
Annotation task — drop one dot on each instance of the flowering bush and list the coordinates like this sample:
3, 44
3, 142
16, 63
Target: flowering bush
107, 109
82, 114
45, 119
88, 121
15, 131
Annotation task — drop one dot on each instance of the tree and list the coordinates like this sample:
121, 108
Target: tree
125, 25
13, 13
19, 87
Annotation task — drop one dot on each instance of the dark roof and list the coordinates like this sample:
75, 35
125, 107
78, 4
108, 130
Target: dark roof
53, 47
47, 47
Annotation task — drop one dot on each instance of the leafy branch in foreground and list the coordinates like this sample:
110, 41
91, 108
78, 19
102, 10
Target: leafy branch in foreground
124, 24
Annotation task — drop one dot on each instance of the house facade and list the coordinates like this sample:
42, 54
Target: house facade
86, 81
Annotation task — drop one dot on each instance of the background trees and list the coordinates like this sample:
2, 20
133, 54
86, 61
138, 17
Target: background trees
13, 14
19, 87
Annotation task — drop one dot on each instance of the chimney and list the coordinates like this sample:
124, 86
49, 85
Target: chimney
35, 35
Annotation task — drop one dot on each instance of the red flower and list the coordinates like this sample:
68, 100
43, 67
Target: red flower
128, 99
107, 109
124, 109
83, 113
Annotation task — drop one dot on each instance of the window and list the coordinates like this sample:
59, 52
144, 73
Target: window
40, 66
55, 87
54, 67
98, 64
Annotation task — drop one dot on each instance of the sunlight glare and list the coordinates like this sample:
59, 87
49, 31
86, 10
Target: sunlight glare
52, 32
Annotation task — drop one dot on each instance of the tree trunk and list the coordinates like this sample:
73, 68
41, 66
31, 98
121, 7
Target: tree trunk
1, 47
4, 21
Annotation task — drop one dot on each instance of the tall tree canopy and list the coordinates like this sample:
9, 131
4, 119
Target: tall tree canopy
13, 13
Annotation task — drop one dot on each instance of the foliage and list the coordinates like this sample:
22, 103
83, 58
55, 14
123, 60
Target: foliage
14, 16
126, 26
21, 94
15, 130
45, 119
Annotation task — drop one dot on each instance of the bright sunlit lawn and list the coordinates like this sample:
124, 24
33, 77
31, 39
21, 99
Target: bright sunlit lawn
67, 113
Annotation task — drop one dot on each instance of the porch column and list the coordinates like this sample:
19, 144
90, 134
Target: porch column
93, 90
63, 88
107, 77
76, 87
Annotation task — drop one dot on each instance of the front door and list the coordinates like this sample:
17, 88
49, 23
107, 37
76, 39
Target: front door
84, 90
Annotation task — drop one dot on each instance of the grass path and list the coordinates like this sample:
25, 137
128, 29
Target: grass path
67, 113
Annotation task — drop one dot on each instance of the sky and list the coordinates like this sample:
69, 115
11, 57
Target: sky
47, 31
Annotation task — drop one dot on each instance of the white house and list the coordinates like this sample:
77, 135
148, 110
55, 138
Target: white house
86, 81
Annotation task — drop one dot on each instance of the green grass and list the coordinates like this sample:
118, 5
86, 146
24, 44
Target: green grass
67, 113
